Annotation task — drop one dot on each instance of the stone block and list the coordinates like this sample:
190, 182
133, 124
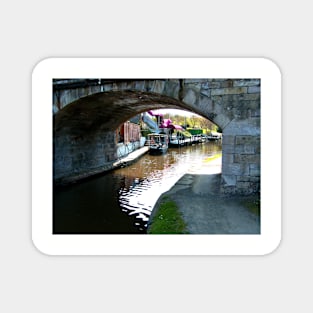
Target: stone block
227, 158
190, 97
255, 113
131, 85
232, 169
195, 86
108, 87
243, 178
195, 80
244, 186
228, 83
250, 127
251, 97
228, 148
254, 89
205, 92
228, 139
258, 149
246, 82
205, 103
93, 89
230, 99
244, 140
217, 100
255, 179
221, 120
248, 104
158, 86
239, 149
229, 190
246, 158
121, 86
228, 91
255, 170
214, 84
205, 85
140, 85
229, 180
245, 149
249, 149
171, 89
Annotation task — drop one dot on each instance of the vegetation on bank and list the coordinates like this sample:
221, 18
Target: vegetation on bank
168, 219
253, 205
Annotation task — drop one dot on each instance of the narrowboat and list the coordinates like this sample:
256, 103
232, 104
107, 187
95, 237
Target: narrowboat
158, 143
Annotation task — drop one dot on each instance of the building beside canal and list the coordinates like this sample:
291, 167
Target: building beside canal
128, 138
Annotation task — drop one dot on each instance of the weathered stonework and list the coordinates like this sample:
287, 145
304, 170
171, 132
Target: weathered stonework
75, 157
87, 112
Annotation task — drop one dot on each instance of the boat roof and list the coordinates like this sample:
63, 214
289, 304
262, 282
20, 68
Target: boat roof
155, 134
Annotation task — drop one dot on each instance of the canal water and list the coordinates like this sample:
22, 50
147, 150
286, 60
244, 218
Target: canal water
121, 201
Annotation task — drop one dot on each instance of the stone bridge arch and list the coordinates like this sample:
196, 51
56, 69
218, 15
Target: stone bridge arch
88, 111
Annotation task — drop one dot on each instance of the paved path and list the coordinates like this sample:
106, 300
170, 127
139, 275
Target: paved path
205, 210
131, 157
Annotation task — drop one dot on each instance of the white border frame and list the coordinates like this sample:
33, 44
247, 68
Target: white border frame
50, 244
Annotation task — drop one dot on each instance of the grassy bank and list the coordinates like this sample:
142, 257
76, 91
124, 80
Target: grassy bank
253, 204
168, 219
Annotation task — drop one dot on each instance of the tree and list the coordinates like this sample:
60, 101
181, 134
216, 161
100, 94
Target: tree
193, 121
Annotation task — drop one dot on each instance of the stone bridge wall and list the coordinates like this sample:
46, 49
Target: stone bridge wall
93, 109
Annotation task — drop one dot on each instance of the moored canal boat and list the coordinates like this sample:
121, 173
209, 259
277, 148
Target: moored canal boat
158, 143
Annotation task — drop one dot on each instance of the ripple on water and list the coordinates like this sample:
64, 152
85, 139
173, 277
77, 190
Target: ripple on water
121, 201
156, 175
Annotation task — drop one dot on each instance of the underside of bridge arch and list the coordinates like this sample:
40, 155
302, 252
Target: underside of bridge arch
85, 139
84, 131
106, 111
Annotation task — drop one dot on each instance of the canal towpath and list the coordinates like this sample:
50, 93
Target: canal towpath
131, 157
207, 211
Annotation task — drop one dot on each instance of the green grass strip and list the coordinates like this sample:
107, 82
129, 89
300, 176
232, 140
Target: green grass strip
168, 219
253, 206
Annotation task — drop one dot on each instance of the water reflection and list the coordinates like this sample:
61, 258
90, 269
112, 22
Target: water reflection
120, 202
